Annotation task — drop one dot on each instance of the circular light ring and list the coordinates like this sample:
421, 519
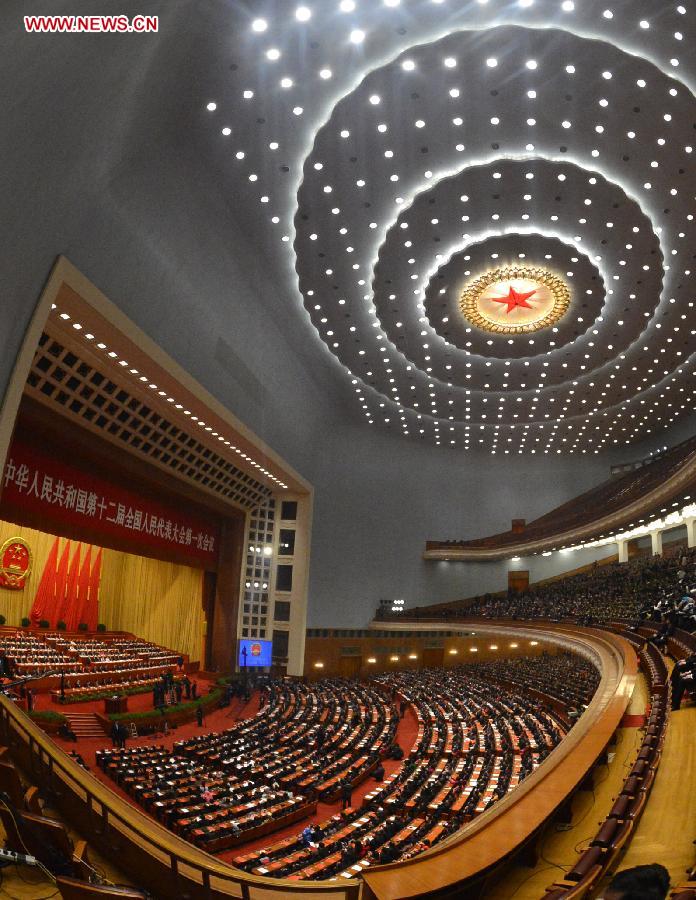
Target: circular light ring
585, 26
352, 203
444, 288
470, 302
398, 299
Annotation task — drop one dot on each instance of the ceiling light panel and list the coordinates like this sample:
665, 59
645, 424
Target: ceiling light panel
569, 134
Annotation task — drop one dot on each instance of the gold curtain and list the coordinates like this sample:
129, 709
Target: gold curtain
158, 601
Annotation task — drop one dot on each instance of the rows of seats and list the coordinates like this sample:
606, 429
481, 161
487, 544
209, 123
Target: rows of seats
220, 789
622, 819
609, 497
476, 741
563, 676
116, 681
81, 664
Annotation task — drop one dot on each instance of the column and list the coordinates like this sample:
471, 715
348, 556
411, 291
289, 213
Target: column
691, 532
656, 542
622, 547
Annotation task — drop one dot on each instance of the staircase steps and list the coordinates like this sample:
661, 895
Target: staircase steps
85, 725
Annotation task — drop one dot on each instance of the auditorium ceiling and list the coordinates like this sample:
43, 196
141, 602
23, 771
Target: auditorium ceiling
415, 167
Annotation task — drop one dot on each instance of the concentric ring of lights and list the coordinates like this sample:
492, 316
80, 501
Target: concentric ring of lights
444, 286
381, 372
469, 302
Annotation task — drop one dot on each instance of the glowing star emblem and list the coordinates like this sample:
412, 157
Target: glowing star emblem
515, 299
256, 649
499, 300
15, 564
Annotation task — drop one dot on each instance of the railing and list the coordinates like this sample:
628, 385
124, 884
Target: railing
154, 857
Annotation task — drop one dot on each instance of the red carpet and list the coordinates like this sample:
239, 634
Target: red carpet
218, 720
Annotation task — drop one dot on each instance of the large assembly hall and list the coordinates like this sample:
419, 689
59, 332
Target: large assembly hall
348, 450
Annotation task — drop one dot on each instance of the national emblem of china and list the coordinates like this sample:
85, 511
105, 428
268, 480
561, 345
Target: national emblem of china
515, 300
256, 649
15, 564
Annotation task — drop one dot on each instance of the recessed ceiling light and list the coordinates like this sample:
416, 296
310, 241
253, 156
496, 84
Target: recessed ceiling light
303, 14
325, 73
357, 36
259, 25
273, 53
211, 107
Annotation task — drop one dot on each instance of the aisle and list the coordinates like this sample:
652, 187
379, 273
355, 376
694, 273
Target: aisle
668, 826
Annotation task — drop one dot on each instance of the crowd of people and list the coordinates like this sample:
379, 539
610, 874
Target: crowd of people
479, 735
477, 739
654, 588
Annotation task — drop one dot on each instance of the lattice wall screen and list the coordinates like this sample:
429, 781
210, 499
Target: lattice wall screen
83, 392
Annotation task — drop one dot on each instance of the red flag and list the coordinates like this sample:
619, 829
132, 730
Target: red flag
61, 585
67, 608
92, 610
46, 591
82, 592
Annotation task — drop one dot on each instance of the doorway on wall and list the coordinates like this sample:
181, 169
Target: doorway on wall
518, 580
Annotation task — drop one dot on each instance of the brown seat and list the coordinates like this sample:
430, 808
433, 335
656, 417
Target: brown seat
631, 786
44, 838
606, 833
31, 801
10, 783
639, 769
588, 861
620, 809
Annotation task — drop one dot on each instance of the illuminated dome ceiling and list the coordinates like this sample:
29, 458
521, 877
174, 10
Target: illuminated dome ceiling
396, 152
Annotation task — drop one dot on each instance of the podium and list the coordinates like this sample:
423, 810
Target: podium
116, 704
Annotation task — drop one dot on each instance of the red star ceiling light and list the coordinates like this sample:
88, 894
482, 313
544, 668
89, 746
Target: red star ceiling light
498, 300
515, 298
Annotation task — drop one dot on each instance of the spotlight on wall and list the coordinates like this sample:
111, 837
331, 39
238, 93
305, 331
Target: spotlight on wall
453, 651
534, 643
493, 647
514, 646
318, 665
394, 658
413, 656
372, 659
473, 649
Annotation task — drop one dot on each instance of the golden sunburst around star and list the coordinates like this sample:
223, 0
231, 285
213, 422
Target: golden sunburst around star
491, 302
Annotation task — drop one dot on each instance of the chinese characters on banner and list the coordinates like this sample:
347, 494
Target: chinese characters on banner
32, 480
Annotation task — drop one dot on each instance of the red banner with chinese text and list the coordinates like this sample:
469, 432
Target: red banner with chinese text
34, 481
